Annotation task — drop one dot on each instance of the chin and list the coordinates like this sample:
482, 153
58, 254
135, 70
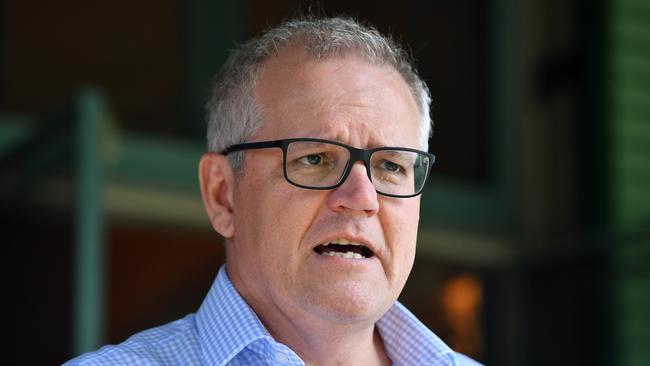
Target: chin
347, 304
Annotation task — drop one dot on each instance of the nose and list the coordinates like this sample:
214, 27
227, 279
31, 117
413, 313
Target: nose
356, 194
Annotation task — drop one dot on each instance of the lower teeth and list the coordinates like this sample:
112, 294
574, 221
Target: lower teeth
348, 255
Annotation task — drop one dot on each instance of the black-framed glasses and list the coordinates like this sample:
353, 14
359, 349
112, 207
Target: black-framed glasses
323, 164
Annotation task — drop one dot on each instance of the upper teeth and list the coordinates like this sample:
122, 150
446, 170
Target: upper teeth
342, 241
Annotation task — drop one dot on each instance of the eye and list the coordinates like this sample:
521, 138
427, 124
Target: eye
390, 166
312, 159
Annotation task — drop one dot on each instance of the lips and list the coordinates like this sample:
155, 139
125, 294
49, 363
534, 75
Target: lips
344, 248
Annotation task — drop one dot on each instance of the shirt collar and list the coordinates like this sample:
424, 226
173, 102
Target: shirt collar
409, 342
226, 325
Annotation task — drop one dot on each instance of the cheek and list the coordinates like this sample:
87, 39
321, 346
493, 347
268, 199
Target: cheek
400, 221
274, 215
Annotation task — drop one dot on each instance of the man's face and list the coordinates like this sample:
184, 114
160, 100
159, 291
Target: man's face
271, 257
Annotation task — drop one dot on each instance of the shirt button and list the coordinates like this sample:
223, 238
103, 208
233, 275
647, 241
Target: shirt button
281, 357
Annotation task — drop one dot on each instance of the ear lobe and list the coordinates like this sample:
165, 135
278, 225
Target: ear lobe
216, 179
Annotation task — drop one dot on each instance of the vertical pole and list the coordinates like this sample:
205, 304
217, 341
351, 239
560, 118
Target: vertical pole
211, 28
89, 260
505, 78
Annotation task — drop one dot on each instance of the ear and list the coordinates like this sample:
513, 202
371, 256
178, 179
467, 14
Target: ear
217, 182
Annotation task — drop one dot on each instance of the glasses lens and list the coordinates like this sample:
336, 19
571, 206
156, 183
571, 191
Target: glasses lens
399, 172
315, 164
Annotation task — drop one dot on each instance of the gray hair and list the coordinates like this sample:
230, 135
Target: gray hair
231, 110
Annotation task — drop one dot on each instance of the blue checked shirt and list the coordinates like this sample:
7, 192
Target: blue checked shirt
226, 331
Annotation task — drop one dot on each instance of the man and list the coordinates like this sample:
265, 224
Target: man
318, 134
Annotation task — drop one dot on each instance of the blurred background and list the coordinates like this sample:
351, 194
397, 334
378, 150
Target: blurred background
534, 244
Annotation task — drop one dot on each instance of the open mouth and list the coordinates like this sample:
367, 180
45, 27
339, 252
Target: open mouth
344, 249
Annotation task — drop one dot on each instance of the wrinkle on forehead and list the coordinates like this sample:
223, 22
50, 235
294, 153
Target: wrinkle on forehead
291, 91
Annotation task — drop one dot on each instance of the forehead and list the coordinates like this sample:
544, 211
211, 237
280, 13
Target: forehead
343, 98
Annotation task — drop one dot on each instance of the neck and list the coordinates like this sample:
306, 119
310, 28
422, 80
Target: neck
327, 344
317, 340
